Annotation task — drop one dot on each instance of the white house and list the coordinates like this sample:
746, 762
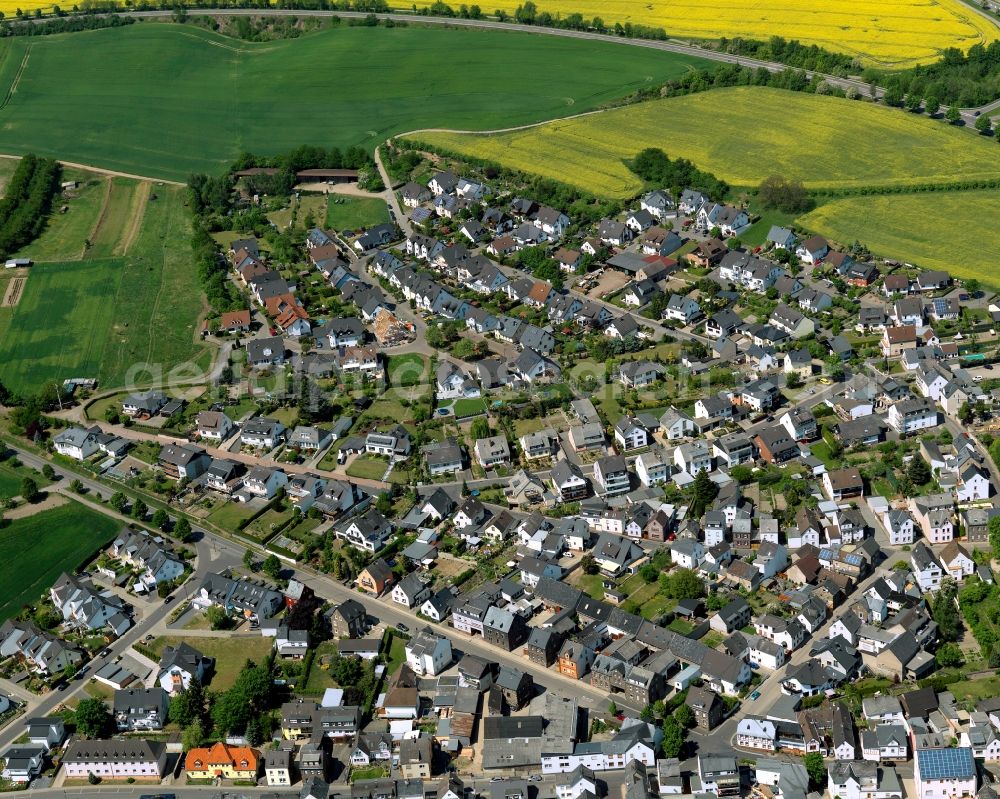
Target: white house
912, 415
754, 732
687, 553
76, 443
630, 433
898, 523
651, 468
861, 779
428, 654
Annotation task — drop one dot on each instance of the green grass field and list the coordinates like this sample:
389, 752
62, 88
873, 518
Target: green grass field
64, 236
11, 479
37, 549
86, 97
929, 230
105, 316
353, 213
742, 135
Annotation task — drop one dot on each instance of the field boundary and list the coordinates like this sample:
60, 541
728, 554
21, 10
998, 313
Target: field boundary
99, 170
17, 78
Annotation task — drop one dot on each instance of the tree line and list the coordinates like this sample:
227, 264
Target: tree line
62, 23
959, 79
26, 204
655, 167
793, 53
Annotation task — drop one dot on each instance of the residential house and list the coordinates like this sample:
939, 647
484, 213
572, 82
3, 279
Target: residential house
375, 577
130, 758
428, 654
222, 761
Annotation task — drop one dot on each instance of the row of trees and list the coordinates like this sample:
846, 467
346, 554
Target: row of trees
962, 80
27, 202
62, 24
793, 53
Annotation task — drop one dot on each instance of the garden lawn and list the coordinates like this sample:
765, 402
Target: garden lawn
591, 584
37, 549
389, 409
354, 213
229, 515
409, 369
319, 678
366, 467
264, 526
896, 226
755, 235
368, 773
800, 136
976, 690
229, 651
656, 607
468, 407
396, 656
109, 318
86, 98
11, 479
681, 626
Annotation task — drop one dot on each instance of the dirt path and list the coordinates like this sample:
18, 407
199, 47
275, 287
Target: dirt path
137, 212
92, 236
109, 172
52, 500
15, 288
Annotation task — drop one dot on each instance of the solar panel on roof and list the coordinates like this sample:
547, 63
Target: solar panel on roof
943, 764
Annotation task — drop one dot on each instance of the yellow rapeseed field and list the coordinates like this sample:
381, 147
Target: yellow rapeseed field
742, 135
897, 226
891, 33
887, 33
9, 7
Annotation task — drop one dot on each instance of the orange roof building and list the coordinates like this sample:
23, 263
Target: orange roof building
235, 320
222, 760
